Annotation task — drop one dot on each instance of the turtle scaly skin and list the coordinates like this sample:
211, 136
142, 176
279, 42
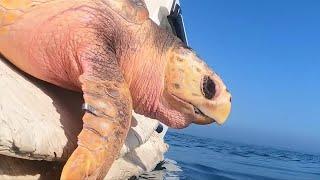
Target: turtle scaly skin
112, 52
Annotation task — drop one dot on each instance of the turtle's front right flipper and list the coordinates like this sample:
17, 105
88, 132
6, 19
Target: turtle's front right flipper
105, 126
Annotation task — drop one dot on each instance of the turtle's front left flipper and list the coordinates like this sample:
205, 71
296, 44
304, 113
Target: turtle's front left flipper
105, 126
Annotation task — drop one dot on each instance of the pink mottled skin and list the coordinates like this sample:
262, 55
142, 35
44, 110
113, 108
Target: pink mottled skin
55, 45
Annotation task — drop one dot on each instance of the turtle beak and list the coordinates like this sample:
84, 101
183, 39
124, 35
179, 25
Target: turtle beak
217, 112
217, 106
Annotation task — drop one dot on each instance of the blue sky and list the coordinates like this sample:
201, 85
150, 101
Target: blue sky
268, 54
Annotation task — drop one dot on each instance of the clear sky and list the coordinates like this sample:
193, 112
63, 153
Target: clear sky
268, 54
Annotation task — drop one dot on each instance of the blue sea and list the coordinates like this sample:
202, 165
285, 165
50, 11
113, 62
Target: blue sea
191, 157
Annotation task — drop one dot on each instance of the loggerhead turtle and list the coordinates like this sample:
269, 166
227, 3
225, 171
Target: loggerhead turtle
112, 52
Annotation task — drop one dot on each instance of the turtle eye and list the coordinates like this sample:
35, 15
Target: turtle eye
208, 87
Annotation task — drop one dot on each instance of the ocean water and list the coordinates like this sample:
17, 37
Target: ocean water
191, 157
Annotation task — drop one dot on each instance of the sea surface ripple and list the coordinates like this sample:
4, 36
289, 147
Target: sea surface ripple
191, 157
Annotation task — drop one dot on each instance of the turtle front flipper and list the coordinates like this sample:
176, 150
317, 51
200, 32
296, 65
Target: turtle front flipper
105, 126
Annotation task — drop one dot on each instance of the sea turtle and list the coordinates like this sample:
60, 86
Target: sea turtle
112, 52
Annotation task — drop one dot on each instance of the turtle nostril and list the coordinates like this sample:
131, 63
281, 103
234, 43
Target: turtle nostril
208, 87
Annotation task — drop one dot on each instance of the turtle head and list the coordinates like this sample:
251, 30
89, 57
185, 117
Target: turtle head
194, 90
